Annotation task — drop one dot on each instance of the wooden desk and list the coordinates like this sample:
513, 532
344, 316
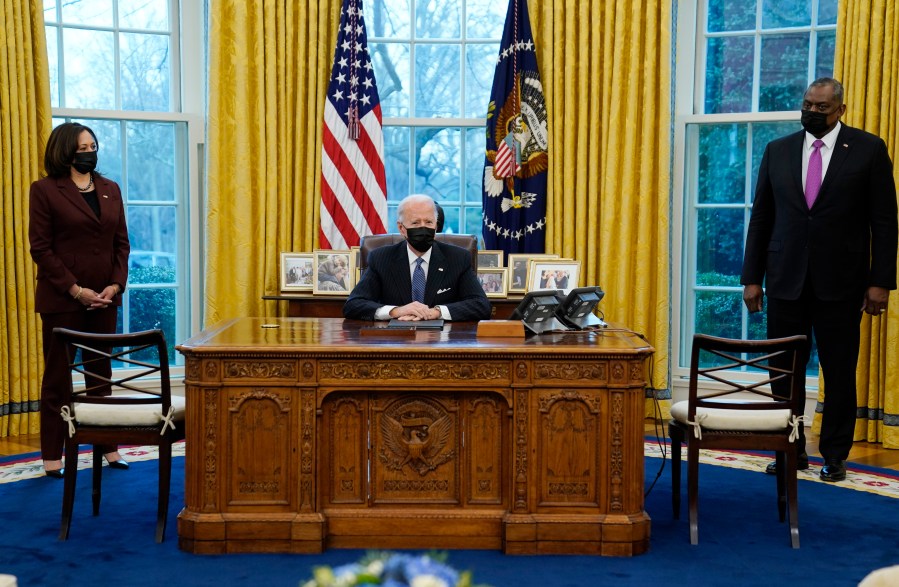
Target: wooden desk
304, 305
317, 433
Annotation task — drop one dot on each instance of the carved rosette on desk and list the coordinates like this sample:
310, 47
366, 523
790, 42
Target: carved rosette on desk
301, 447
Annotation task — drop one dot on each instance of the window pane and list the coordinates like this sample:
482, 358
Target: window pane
392, 72
450, 219
146, 72
728, 86
731, 15
438, 87
438, 19
718, 313
151, 161
49, 11
388, 18
475, 145
151, 231
827, 12
153, 308
396, 162
89, 70
53, 59
473, 223
827, 44
719, 246
786, 13
722, 163
762, 134
437, 162
784, 72
152, 15
486, 19
89, 12
480, 65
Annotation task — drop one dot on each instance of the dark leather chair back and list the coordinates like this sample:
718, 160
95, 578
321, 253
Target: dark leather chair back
466, 241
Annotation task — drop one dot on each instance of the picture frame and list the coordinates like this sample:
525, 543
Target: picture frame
296, 271
334, 271
561, 274
518, 269
494, 281
490, 259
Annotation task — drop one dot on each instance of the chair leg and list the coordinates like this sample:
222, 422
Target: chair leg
693, 490
68, 491
783, 464
97, 475
165, 477
792, 497
677, 439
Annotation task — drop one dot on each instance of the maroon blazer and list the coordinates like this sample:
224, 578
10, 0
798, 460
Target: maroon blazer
71, 245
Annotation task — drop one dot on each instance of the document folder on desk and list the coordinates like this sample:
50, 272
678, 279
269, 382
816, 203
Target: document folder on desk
416, 325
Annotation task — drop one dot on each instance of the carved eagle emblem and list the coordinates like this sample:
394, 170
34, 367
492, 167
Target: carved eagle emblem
417, 441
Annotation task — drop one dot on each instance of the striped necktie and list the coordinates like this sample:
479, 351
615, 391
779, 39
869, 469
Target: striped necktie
418, 282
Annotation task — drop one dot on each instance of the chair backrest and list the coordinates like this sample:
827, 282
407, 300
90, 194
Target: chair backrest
371, 242
144, 354
729, 361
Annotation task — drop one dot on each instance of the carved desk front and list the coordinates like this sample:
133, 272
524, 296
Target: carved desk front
311, 433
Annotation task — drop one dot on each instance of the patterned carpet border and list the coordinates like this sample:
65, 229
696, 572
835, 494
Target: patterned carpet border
861, 478
877, 481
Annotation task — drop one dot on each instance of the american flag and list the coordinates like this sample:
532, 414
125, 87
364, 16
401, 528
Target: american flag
354, 187
508, 157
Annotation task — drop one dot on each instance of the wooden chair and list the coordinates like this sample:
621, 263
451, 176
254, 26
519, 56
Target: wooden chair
735, 413
466, 241
133, 405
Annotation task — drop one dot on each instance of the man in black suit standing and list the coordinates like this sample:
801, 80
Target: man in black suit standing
419, 278
823, 236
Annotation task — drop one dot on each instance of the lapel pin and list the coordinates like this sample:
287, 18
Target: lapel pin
440, 269
845, 145
105, 196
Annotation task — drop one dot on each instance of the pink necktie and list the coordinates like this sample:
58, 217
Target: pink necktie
813, 178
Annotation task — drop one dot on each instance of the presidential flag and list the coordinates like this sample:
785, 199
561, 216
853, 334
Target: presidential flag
514, 195
354, 187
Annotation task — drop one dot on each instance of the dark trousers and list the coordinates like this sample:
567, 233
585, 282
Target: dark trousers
836, 328
54, 385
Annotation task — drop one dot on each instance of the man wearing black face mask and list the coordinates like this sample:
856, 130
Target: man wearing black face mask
823, 236
438, 274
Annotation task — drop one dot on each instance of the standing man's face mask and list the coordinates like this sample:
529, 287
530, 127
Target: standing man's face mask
814, 122
420, 238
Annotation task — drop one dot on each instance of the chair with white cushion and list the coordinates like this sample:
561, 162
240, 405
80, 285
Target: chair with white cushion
131, 405
735, 409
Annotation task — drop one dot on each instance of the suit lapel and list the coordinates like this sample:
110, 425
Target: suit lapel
794, 150
70, 193
840, 153
401, 259
436, 272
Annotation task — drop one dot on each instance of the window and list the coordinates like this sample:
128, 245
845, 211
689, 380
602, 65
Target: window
753, 61
434, 64
115, 66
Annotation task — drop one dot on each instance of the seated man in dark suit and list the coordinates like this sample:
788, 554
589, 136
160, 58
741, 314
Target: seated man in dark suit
438, 274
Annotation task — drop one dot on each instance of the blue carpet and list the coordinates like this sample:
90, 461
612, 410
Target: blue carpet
844, 533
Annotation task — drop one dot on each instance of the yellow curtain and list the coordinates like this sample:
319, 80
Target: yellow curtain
269, 68
25, 122
606, 70
867, 63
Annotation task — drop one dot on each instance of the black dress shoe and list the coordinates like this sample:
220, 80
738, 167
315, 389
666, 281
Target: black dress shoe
119, 464
55, 473
833, 470
801, 464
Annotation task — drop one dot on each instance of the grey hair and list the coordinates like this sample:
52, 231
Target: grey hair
829, 81
401, 209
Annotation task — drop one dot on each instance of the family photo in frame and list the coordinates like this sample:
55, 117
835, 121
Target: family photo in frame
494, 281
334, 271
518, 270
553, 274
296, 271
